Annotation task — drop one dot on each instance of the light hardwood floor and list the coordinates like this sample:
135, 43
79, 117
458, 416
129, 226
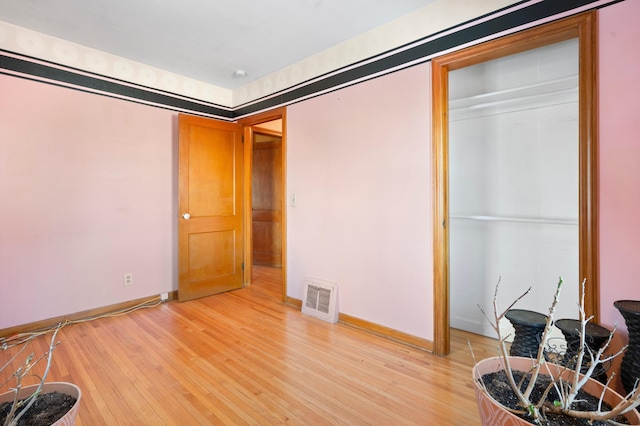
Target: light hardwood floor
243, 357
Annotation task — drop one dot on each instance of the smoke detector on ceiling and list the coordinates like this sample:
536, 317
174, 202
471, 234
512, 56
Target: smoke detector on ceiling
239, 74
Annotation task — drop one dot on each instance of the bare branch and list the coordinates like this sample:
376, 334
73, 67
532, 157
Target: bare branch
19, 408
566, 381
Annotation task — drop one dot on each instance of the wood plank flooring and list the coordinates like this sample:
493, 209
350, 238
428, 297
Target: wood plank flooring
243, 357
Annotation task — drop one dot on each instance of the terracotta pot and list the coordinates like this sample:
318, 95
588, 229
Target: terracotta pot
493, 413
62, 387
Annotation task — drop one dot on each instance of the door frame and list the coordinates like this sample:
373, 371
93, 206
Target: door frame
248, 124
583, 27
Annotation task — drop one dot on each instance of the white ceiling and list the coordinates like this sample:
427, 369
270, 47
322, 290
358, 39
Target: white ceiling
207, 39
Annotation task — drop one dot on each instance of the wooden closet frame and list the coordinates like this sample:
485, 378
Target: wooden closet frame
582, 27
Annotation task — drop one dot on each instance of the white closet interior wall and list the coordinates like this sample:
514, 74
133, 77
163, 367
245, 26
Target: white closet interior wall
513, 184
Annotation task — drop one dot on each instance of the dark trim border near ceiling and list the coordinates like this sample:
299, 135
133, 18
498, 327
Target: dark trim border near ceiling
422, 51
48, 73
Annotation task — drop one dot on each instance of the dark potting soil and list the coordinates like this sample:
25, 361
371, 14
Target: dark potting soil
498, 386
48, 408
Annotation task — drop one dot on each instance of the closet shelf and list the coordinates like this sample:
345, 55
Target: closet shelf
539, 220
543, 94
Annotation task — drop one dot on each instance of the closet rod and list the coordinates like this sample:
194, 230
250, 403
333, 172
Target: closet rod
550, 221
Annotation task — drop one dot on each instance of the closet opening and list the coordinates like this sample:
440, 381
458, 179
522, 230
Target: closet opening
514, 161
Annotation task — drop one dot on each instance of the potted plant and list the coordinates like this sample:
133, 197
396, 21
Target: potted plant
522, 391
53, 403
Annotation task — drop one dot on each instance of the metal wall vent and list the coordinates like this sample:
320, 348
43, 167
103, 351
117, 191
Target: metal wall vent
320, 300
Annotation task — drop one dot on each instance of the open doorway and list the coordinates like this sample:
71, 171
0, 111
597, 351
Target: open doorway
575, 31
265, 202
266, 196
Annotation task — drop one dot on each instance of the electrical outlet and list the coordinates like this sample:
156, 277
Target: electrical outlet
164, 297
128, 279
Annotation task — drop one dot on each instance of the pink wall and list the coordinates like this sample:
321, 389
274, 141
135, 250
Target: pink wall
619, 156
356, 165
87, 194
359, 163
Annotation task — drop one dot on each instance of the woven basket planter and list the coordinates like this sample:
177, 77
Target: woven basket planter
630, 367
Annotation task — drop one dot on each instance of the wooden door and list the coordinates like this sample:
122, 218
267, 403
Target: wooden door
210, 230
266, 190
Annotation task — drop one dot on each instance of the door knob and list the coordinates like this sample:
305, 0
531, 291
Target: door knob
186, 216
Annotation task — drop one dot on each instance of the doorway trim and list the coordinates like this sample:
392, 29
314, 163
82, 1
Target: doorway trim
248, 123
582, 27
